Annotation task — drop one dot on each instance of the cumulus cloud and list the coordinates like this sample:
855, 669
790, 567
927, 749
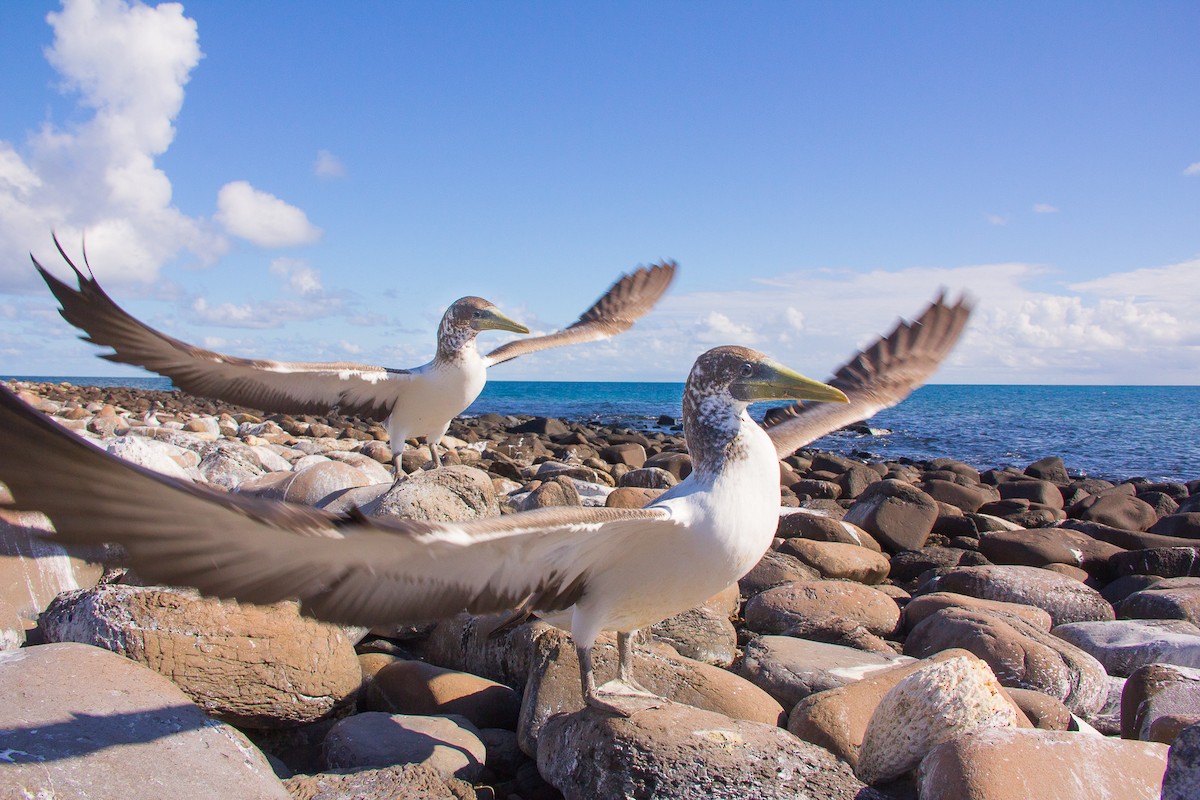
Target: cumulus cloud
1044, 208
127, 65
328, 165
262, 218
1192, 170
301, 278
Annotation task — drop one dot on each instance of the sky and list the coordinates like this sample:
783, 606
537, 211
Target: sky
319, 181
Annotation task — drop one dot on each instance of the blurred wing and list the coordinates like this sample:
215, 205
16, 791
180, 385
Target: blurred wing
343, 569
287, 387
878, 377
623, 304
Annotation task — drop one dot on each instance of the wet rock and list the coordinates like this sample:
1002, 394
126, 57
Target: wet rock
1012, 764
685, 753
256, 666
80, 722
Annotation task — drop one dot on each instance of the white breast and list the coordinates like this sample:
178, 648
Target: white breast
437, 393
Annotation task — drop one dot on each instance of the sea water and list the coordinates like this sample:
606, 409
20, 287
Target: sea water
1103, 431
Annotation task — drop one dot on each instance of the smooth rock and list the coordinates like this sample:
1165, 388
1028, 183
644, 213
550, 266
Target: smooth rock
1117, 510
1155, 691
838, 561
898, 515
1039, 547
813, 603
256, 666
1123, 646
704, 633
1185, 525
790, 669
375, 739
908, 567
150, 454
927, 707
414, 687
1045, 712
1170, 598
775, 569
1183, 766
447, 494
917, 609
680, 753
1166, 562
1012, 764
806, 524
1064, 599
81, 723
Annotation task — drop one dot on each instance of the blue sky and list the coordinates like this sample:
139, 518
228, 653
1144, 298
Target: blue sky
319, 181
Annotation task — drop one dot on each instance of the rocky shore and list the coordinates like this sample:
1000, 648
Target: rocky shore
918, 630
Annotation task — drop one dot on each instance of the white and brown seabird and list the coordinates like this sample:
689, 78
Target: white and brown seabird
412, 403
589, 569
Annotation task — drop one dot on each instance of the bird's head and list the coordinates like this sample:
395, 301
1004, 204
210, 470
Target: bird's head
749, 376
478, 315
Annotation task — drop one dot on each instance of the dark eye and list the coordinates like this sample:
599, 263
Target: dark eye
747, 370
477, 314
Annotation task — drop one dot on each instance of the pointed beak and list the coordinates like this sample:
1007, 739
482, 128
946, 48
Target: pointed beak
772, 381
493, 320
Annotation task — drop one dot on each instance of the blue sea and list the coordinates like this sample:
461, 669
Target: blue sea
1102, 431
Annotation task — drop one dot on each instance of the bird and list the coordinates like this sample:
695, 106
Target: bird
583, 568
418, 402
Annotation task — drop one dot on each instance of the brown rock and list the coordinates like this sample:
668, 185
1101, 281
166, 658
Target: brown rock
448, 494
898, 515
1037, 492
375, 739
414, 687
412, 781
1184, 526
631, 454
835, 560
1119, 511
775, 569
1045, 712
1010, 764
1155, 691
776, 610
1064, 599
1040, 547
923, 606
632, 497
790, 669
821, 528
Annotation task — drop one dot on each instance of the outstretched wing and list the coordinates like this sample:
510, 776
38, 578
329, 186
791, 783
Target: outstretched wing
876, 378
626, 301
343, 569
286, 387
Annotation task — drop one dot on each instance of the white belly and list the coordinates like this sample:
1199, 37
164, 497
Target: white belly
435, 395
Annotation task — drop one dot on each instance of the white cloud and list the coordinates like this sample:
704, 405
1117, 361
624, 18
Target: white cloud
996, 219
1044, 208
328, 165
716, 328
794, 318
262, 218
128, 66
301, 278
1192, 170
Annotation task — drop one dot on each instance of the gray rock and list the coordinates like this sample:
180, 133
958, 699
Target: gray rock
447, 494
228, 463
790, 669
449, 745
1183, 766
81, 723
1123, 646
1065, 599
680, 753
1155, 691
702, 633
1170, 598
151, 454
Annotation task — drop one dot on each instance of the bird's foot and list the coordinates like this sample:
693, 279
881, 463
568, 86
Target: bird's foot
624, 698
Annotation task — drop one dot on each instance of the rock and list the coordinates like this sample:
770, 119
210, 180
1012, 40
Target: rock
1064, 599
1167, 562
814, 602
465, 643
927, 707
1155, 691
150, 454
414, 687
630, 454
909, 566
34, 570
411, 781
542, 426
1183, 766
1185, 525
775, 569
919, 608
898, 515
553, 686
1012, 764
818, 527
1045, 712
1037, 492
678, 464
790, 669
314, 485
1117, 510
1019, 654
1050, 468
1123, 646
837, 719
631, 497
1040, 547
834, 560
966, 498
81, 723
648, 478
684, 753
703, 633
375, 739
1129, 539
255, 666
227, 463
447, 494
1170, 598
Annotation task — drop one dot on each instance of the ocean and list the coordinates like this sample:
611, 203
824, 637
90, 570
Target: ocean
1113, 432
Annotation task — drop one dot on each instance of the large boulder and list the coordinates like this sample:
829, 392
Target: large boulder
1123, 646
1011, 764
1170, 598
415, 781
1183, 766
449, 745
898, 515
1064, 599
81, 723
681, 753
415, 687
791, 669
256, 666
1039, 547
812, 603
447, 494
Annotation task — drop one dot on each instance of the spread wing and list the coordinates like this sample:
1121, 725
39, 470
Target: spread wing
286, 387
876, 378
343, 569
625, 302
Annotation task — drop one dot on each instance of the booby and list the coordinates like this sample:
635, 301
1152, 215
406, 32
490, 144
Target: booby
418, 402
591, 569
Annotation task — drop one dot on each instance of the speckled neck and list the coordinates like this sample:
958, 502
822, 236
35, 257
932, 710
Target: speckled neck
454, 339
713, 424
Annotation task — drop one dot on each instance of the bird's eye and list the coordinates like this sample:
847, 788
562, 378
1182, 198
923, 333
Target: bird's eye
477, 314
747, 370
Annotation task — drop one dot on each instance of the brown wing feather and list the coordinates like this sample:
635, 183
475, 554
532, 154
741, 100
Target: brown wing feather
876, 378
289, 387
348, 570
625, 302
